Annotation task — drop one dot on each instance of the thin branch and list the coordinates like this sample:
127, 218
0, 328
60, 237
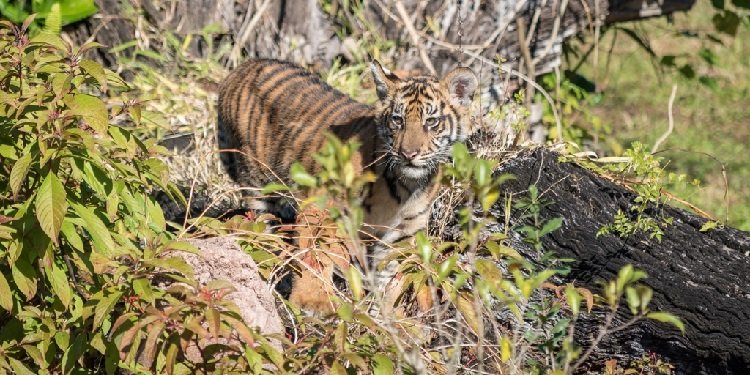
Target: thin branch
247, 28
671, 122
414, 36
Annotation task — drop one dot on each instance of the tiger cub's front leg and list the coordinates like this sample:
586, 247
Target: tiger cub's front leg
395, 214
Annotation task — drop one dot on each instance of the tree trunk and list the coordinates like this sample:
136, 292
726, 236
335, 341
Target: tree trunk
703, 277
299, 30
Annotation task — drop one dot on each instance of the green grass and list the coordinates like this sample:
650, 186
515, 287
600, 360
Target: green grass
711, 126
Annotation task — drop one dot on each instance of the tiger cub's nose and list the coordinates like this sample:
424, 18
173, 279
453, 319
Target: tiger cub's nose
409, 154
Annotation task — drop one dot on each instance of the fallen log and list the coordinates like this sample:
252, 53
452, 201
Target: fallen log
702, 277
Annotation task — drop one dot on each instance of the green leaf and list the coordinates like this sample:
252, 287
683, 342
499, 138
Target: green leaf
51, 204
506, 349
709, 225
668, 318
345, 311
15, 13
53, 19
99, 232
25, 277
70, 11
142, 288
337, 369
355, 283
91, 109
6, 296
274, 187
300, 176
382, 365
709, 82
551, 226
19, 171
482, 172
18, 367
53, 40
95, 70
633, 299
155, 215
104, 307
73, 353
60, 284
574, 299
71, 235
424, 246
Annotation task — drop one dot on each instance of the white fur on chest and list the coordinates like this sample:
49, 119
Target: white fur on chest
388, 219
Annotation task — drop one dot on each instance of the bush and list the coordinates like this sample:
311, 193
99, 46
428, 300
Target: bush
82, 242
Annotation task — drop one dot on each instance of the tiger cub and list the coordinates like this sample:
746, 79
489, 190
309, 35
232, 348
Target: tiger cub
273, 113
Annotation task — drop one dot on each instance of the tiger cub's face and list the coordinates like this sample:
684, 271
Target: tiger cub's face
421, 118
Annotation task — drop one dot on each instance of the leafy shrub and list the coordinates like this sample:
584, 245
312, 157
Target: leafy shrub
82, 243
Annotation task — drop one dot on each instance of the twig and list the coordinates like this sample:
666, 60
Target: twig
671, 122
554, 34
503, 25
234, 56
723, 175
521, 30
414, 36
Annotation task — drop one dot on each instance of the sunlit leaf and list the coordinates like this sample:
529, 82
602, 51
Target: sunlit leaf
19, 171
91, 109
18, 367
25, 277
6, 296
60, 284
666, 317
506, 349
104, 306
382, 365
96, 71
99, 232
51, 205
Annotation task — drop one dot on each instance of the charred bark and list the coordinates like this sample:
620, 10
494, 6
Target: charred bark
703, 277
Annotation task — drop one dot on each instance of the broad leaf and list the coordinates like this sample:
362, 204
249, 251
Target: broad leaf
91, 109
6, 297
668, 318
382, 365
99, 233
19, 171
25, 277
104, 307
51, 205
60, 284
95, 70
18, 367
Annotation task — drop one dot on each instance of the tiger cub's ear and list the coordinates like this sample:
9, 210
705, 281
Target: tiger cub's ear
385, 81
460, 83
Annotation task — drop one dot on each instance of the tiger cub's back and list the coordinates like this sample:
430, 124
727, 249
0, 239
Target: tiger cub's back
274, 113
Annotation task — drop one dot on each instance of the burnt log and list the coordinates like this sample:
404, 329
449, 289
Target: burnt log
702, 277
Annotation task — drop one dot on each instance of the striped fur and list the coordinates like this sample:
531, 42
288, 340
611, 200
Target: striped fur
275, 113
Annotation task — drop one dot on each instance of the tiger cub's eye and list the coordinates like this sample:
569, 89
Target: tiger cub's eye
397, 120
432, 122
